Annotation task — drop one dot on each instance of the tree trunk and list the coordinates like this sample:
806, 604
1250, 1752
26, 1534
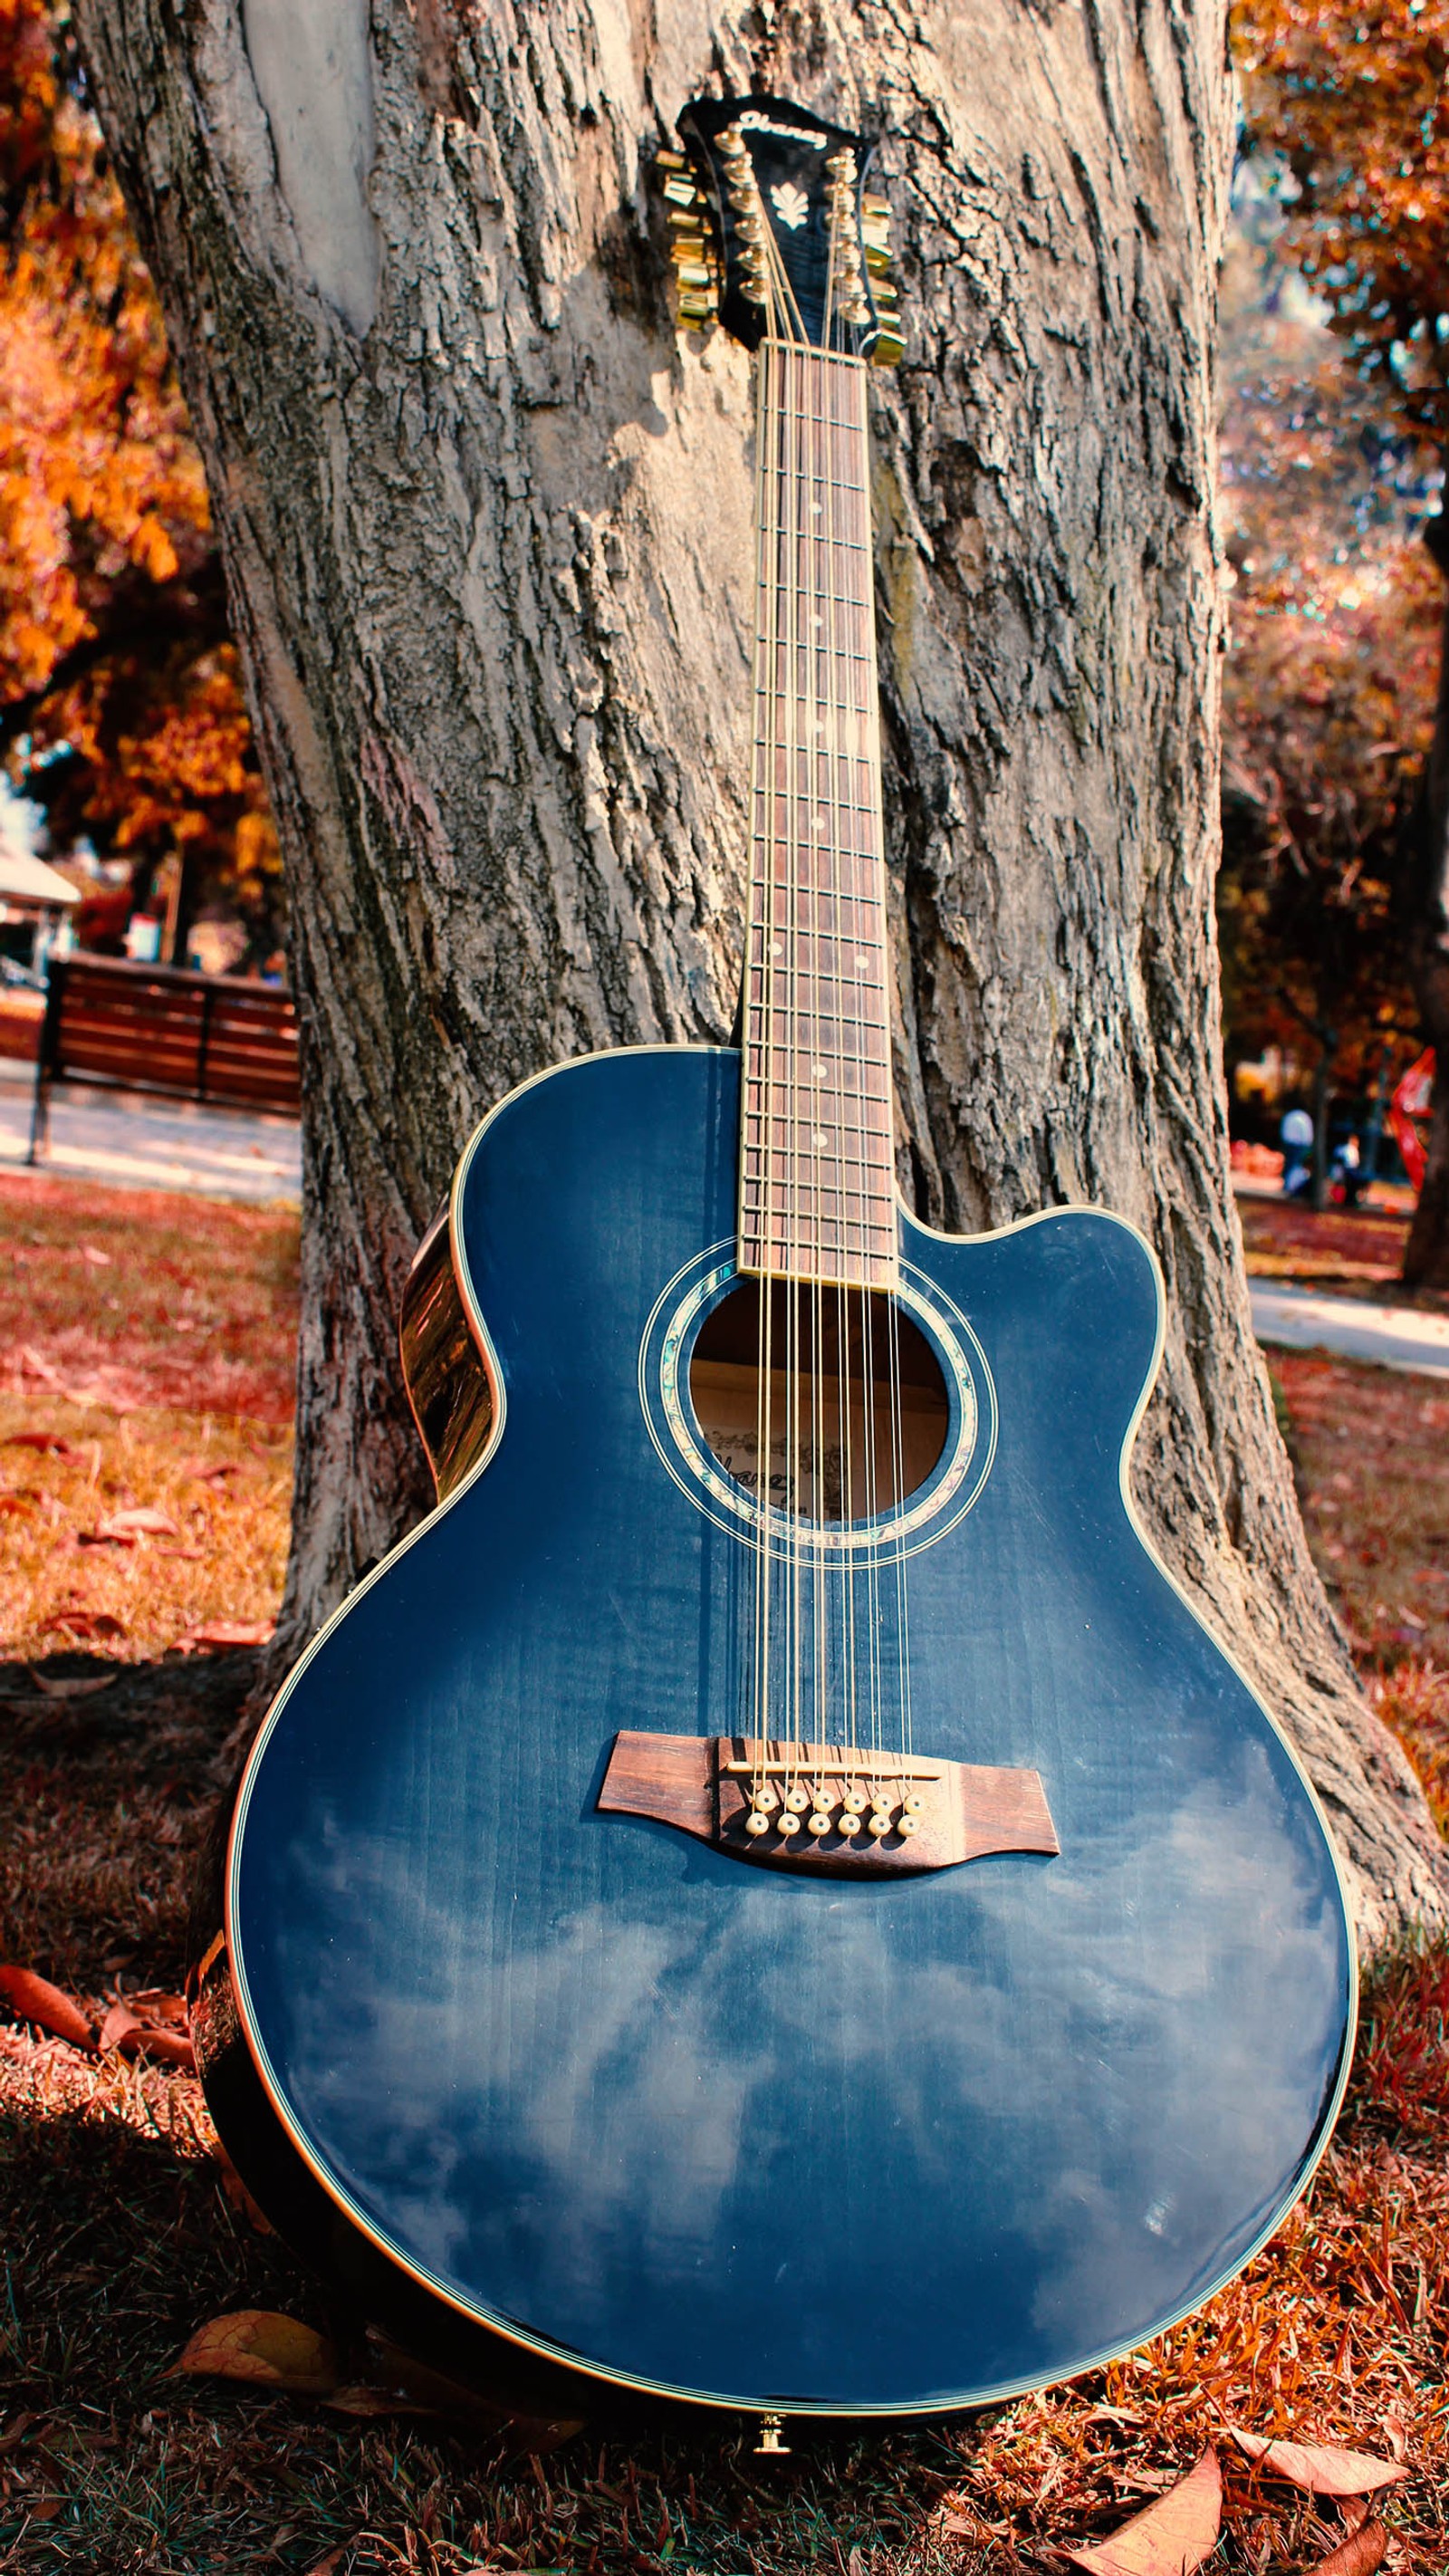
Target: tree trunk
486, 522
1426, 892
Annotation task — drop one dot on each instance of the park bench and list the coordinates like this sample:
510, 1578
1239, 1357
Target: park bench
124, 1027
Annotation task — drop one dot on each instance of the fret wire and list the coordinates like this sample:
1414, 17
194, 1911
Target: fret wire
820, 885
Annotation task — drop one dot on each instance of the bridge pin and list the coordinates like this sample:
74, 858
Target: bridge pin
909, 1825
755, 1823
765, 1801
819, 1823
856, 1802
915, 1804
879, 1824
848, 1824
797, 1800
789, 1824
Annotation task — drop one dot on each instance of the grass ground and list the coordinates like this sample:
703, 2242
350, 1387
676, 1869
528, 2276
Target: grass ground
118, 2234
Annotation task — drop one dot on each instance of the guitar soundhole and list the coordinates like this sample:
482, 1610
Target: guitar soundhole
837, 1386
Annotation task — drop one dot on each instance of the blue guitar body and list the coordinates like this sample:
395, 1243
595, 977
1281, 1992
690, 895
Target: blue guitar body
573, 2092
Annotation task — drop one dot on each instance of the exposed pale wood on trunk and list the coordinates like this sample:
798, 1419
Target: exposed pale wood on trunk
490, 571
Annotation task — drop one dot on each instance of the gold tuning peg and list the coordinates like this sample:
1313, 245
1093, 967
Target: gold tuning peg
887, 348
670, 161
873, 211
877, 258
681, 191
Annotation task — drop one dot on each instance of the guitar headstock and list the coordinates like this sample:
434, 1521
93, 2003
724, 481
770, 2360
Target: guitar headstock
773, 232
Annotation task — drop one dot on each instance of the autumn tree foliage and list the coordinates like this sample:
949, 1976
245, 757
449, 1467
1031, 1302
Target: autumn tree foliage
1354, 104
121, 711
1328, 690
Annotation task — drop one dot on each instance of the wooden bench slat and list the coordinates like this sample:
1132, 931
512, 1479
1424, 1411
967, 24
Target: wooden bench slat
159, 1030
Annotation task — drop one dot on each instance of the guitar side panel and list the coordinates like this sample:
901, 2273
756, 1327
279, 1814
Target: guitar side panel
696, 2127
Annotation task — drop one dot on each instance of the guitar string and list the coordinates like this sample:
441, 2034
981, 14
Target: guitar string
829, 731
824, 757
784, 311
810, 367
793, 474
773, 938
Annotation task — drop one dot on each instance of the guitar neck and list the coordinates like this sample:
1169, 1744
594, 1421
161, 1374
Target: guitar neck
817, 1178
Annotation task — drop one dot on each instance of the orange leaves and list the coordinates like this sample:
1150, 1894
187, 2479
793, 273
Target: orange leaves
97, 474
1319, 2468
1356, 106
271, 2351
1169, 2538
104, 523
152, 2023
35, 1999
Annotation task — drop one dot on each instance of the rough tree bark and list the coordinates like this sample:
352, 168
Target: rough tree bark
485, 520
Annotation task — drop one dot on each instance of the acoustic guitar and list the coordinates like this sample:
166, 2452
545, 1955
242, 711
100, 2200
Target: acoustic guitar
770, 1896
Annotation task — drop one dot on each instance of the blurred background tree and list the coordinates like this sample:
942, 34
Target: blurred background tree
121, 711
1352, 107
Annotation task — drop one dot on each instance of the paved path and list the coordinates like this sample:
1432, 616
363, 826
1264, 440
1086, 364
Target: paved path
1303, 1319
134, 1142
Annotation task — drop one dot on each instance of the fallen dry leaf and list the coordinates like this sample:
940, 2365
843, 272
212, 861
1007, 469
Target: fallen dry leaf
33, 1998
152, 2025
1168, 2538
1320, 2467
85, 1624
227, 1632
45, 1440
171, 2047
123, 1529
258, 2345
1358, 2555
119, 2026
70, 1685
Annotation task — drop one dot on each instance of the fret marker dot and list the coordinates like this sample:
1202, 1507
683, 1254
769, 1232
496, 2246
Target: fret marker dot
817, 1073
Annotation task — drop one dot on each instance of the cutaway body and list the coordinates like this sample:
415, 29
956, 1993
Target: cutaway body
567, 2090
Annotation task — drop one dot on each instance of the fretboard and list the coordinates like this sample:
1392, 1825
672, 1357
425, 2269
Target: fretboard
817, 1180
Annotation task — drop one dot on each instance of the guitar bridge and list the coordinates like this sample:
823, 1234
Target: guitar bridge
826, 1809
